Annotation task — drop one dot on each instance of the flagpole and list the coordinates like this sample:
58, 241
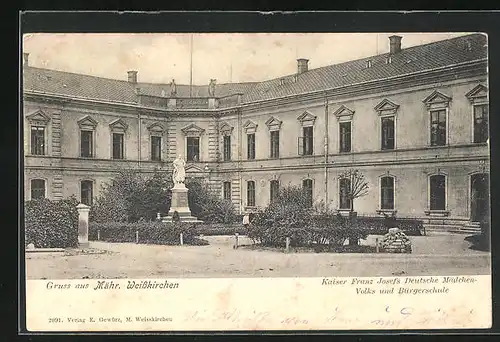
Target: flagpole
191, 68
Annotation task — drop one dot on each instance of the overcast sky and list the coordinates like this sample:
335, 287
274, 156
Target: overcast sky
162, 57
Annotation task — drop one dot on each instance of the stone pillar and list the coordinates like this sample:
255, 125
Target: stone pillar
83, 225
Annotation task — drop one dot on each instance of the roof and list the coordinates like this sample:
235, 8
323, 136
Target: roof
410, 60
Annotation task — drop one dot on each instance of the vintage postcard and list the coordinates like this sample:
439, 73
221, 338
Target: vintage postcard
256, 181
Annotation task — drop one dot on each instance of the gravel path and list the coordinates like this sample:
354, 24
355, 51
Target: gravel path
432, 255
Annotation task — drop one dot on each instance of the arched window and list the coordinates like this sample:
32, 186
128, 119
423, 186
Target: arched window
86, 192
387, 193
307, 185
437, 188
344, 190
37, 188
275, 188
251, 193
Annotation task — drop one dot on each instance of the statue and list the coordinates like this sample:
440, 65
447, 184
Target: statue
179, 173
211, 88
173, 88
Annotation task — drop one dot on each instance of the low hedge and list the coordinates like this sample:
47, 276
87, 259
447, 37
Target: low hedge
326, 229
149, 232
220, 229
51, 224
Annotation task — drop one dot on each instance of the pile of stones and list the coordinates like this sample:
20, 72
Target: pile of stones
396, 242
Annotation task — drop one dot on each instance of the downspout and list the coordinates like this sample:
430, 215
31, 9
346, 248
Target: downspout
139, 140
326, 150
240, 143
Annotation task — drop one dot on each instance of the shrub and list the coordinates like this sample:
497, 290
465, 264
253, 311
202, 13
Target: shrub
220, 229
149, 232
208, 207
51, 224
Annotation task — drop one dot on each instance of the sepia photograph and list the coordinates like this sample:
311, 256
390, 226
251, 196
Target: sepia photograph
359, 159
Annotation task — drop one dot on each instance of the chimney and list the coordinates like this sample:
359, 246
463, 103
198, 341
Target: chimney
26, 58
132, 76
395, 44
302, 65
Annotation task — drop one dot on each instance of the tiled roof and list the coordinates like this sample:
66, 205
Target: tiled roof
410, 60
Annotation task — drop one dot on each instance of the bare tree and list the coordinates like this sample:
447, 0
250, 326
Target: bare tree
358, 186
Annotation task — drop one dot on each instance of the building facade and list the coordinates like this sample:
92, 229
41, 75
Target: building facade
413, 121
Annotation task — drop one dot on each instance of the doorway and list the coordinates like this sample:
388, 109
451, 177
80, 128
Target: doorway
480, 193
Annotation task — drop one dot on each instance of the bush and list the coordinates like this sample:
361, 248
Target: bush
51, 224
220, 229
152, 232
208, 207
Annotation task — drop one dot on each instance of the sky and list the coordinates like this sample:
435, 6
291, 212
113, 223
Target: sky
161, 57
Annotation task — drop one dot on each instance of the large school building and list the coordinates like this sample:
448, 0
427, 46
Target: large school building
413, 121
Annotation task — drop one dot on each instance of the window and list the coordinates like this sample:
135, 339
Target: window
251, 146
251, 193
117, 146
227, 191
37, 140
345, 136
37, 188
480, 123
86, 148
345, 189
388, 133
307, 185
387, 193
275, 144
86, 192
155, 148
227, 147
193, 148
437, 192
307, 144
438, 127
275, 188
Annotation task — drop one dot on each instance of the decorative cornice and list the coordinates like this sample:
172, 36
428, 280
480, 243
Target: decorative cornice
192, 130
250, 127
478, 94
87, 123
386, 107
273, 124
38, 117
225, 128
156, 127
307, 119
437, 99
118, 125
344, 112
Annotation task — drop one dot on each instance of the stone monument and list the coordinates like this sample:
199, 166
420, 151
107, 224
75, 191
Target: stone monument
179, 202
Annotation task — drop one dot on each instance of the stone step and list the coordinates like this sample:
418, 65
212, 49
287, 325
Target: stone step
441, 227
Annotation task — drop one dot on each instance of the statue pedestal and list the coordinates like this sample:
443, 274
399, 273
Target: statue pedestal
180, 204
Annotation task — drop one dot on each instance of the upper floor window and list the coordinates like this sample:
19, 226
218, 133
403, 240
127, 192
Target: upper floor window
37, 188
307, 185
193, 148
344, 116
438, 127
387, 193
251, 193
251, 146
387, 133
306, 141
87, 144
87, 129
37, 140
156, 132
345, 136
38, 127
275, 144
156, 148
274, 189
274, 126
86, 192
437, 188
438, 104
227, 147
118, 146
480, 123
227, 190
193, 134
344, 193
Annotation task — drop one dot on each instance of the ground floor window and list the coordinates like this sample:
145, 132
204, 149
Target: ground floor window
275, 188
86, 192
344, 190
37, 188
251, 193
387, 193
437, 192
307, 185
227, 191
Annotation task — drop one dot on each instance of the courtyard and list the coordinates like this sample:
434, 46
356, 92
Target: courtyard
439, 254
